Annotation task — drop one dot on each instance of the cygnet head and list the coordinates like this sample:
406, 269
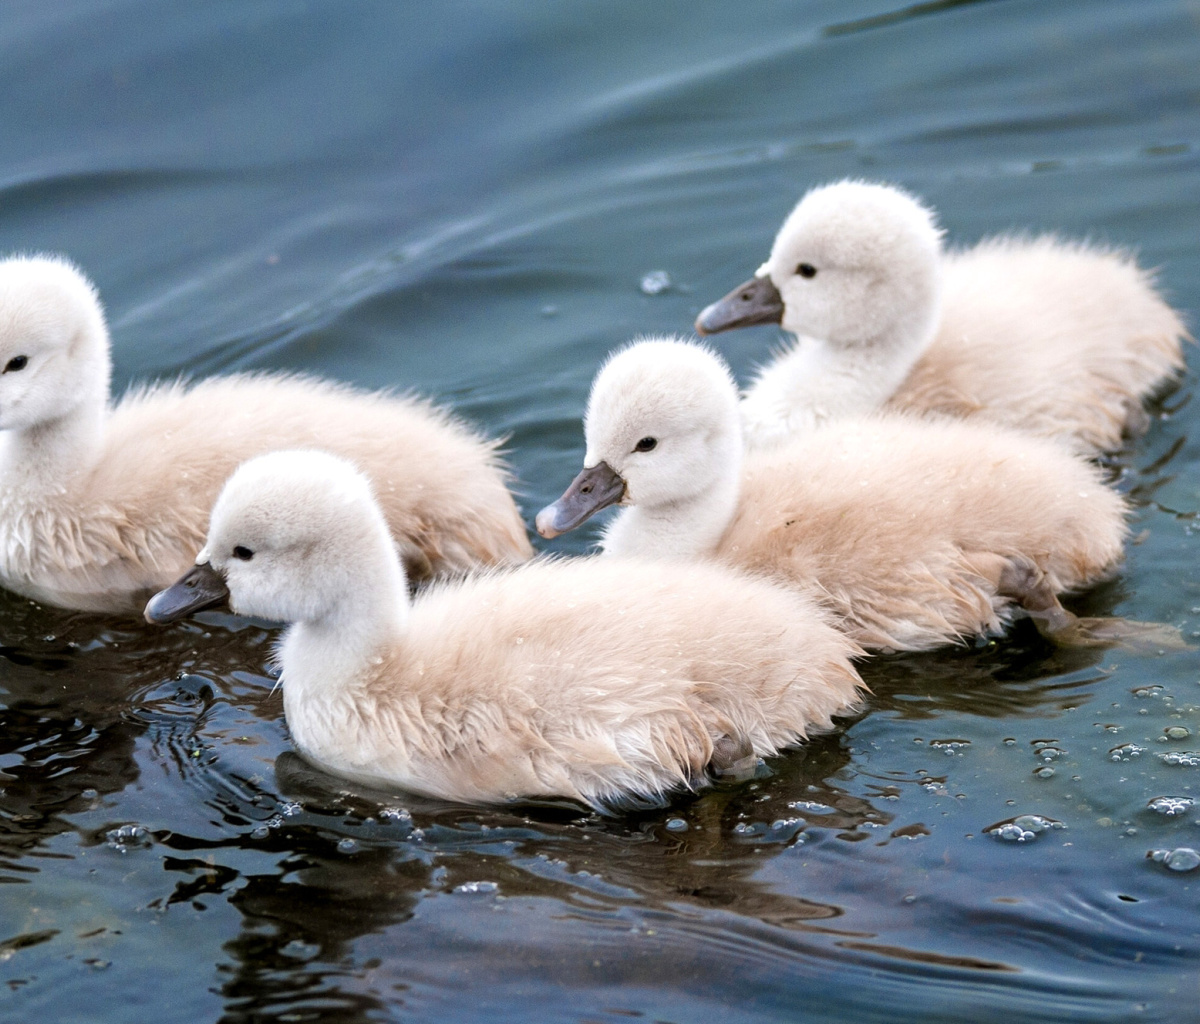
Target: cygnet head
855, 264
662, 427
53, 342
293, 537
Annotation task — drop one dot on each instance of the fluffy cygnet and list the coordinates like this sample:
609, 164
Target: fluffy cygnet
1056, 338
100, 506
917, 533
599, 680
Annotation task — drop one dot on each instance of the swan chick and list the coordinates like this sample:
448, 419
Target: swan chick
1063, 339
101, 506
605, 681
915, 533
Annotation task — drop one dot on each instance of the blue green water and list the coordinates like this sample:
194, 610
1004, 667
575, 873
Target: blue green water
463, 198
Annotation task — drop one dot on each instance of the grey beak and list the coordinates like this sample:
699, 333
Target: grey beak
592, 490
756, 302
198, 588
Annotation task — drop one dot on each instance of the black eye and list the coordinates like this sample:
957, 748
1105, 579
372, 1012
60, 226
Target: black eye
806, 270
646, 444
16, 363
243, 554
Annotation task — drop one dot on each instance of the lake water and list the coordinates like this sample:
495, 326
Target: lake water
463, 198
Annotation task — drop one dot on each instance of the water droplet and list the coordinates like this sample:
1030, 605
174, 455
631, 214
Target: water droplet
1050, 753
477, 887
950, 747
260, 833
655, 282
347, 845
676, 825
129, 837
1183, 858
1177, 732
1023, 828
1184, 758
1170, 805
1044, 772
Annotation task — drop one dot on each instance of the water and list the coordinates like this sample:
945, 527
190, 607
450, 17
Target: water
479, 201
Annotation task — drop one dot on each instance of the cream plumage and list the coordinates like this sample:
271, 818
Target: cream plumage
1062, 339
917, 533
598, 680
102, 506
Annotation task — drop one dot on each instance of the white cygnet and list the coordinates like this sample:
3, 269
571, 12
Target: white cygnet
916, 533
1062, 339
601, 680
100, 506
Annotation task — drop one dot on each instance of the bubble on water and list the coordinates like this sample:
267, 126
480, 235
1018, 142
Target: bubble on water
1145, 692
1023, 828
743, 828
1010, 741
290, 810
89, 794
1182, 858
129, 837
655, 282
676, 825
477, 887
298, 949
781, 823
815, 806
1176, 732
1049, 753
1044, 772
1170, 805
1126, 752
1184, 758
950, 747
395, 814
347, 845
260, 833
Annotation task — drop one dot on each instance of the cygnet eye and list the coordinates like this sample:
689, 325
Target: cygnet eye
806, 270
242, 554
16, 363
646, 444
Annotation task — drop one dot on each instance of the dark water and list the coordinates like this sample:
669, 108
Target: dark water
463, 198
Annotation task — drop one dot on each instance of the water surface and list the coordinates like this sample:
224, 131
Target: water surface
463, 198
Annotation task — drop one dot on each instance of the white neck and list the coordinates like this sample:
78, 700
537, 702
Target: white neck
685, 528
43, 458
815, 380
326, 657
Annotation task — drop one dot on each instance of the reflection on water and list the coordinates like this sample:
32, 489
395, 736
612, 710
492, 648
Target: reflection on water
467, 199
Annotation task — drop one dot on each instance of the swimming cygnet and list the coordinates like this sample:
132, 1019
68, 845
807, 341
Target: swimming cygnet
598, 680
100, 506
1062, 339
917, 533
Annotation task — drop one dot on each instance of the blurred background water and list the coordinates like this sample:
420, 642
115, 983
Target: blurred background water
464, 199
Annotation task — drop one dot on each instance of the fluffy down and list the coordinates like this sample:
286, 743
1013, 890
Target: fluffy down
102, 506
599, 680
917, 533
1062, 339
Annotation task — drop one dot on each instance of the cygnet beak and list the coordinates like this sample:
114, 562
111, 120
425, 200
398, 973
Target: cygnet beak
756, 302
592, 490
198, 588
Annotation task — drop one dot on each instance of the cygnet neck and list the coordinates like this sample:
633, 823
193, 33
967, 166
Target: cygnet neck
818, 380
688, 527
46, 456
334, 652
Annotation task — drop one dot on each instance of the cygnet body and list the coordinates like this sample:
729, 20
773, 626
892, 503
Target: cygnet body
917, 533
1061, 339
598, 680
100, 506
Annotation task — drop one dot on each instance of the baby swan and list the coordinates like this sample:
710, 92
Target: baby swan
917, 533
1062, 339
100, 506
598, 680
